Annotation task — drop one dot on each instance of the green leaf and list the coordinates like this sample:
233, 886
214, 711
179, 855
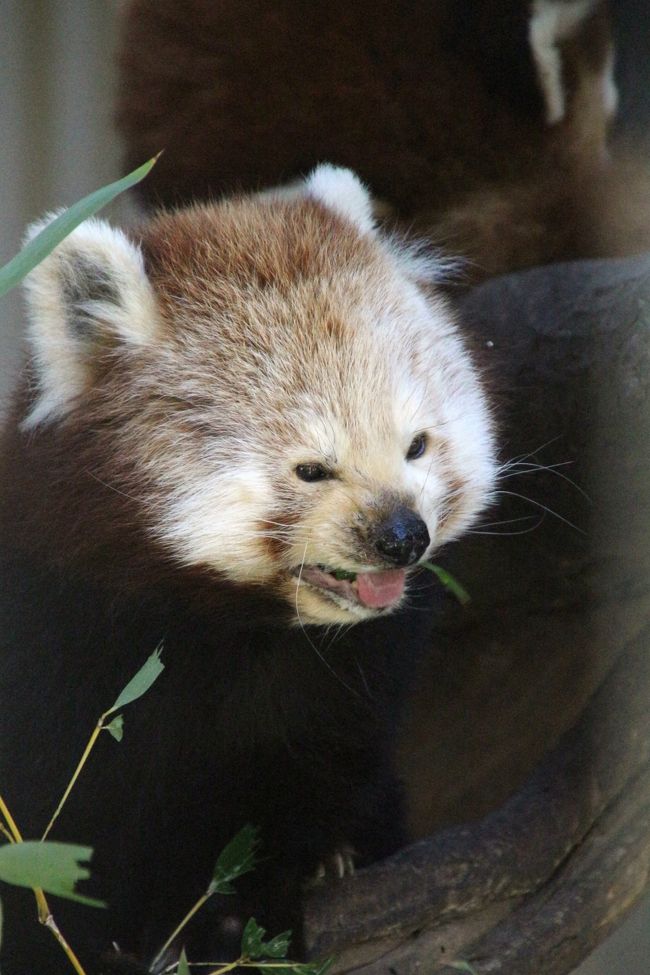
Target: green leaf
44, 243
278, 946
0, 924
446, 578
254, 946
463, 966
140, 684
183, 967
344, 574
252, 939
116, 727
55, 867
235, 860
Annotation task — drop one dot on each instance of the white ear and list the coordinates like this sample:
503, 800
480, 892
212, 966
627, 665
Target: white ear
89, 294
342, 191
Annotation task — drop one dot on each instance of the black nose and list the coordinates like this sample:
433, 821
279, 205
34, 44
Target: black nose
402, 538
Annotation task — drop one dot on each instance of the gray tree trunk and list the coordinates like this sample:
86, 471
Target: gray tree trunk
531, 723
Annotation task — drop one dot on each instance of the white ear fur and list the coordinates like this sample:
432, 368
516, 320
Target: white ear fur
342, 191
91, 291
551, 23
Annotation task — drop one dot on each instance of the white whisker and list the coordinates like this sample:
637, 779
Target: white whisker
538, 504
522, 531
506, 521
552, 469
532, 453
306, 635
109, 487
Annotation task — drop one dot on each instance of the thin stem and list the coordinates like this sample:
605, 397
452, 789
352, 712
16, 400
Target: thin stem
9, 820
5, 832
269, 964
44, 911
75, 776
241, 962
179, 927
52, 926
45, 915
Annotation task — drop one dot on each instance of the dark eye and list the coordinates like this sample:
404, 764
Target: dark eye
418, 446
312, 472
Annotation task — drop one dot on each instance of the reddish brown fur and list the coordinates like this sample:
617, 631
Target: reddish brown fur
55, 472
43, 494
436, 105
248, 282
229, 243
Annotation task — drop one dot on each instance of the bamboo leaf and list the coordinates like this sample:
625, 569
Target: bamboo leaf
235, 860
251, 939
140, 684
254, 946
183, 967
449, 582
278, 946
116, 727
44, 243
54, 867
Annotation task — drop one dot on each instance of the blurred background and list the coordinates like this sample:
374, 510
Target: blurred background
58, 143
57, 63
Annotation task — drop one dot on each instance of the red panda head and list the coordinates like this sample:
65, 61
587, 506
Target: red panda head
277, 387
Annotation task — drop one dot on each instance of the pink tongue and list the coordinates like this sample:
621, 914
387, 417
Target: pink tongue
380, 588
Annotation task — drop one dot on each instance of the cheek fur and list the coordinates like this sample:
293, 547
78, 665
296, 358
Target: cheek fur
216, 521
325, 530
424, 481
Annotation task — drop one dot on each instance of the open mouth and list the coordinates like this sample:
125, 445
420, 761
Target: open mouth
374, 590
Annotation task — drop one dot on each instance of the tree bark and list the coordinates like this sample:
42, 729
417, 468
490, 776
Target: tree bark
527, 751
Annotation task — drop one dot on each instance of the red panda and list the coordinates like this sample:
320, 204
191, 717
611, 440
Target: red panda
485, 124
242, 428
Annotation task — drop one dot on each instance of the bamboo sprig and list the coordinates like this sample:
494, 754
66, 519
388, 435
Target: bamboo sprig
179, 927
255, 952
45, 915
11, 274
136, 687
245, 962
235, 860
242, 962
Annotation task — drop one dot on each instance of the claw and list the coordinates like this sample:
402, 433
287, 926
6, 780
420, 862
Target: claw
337, 866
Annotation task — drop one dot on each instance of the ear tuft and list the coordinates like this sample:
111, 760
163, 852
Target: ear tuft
341, 190
91, 293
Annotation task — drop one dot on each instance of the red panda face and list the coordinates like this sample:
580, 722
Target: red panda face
290, 405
